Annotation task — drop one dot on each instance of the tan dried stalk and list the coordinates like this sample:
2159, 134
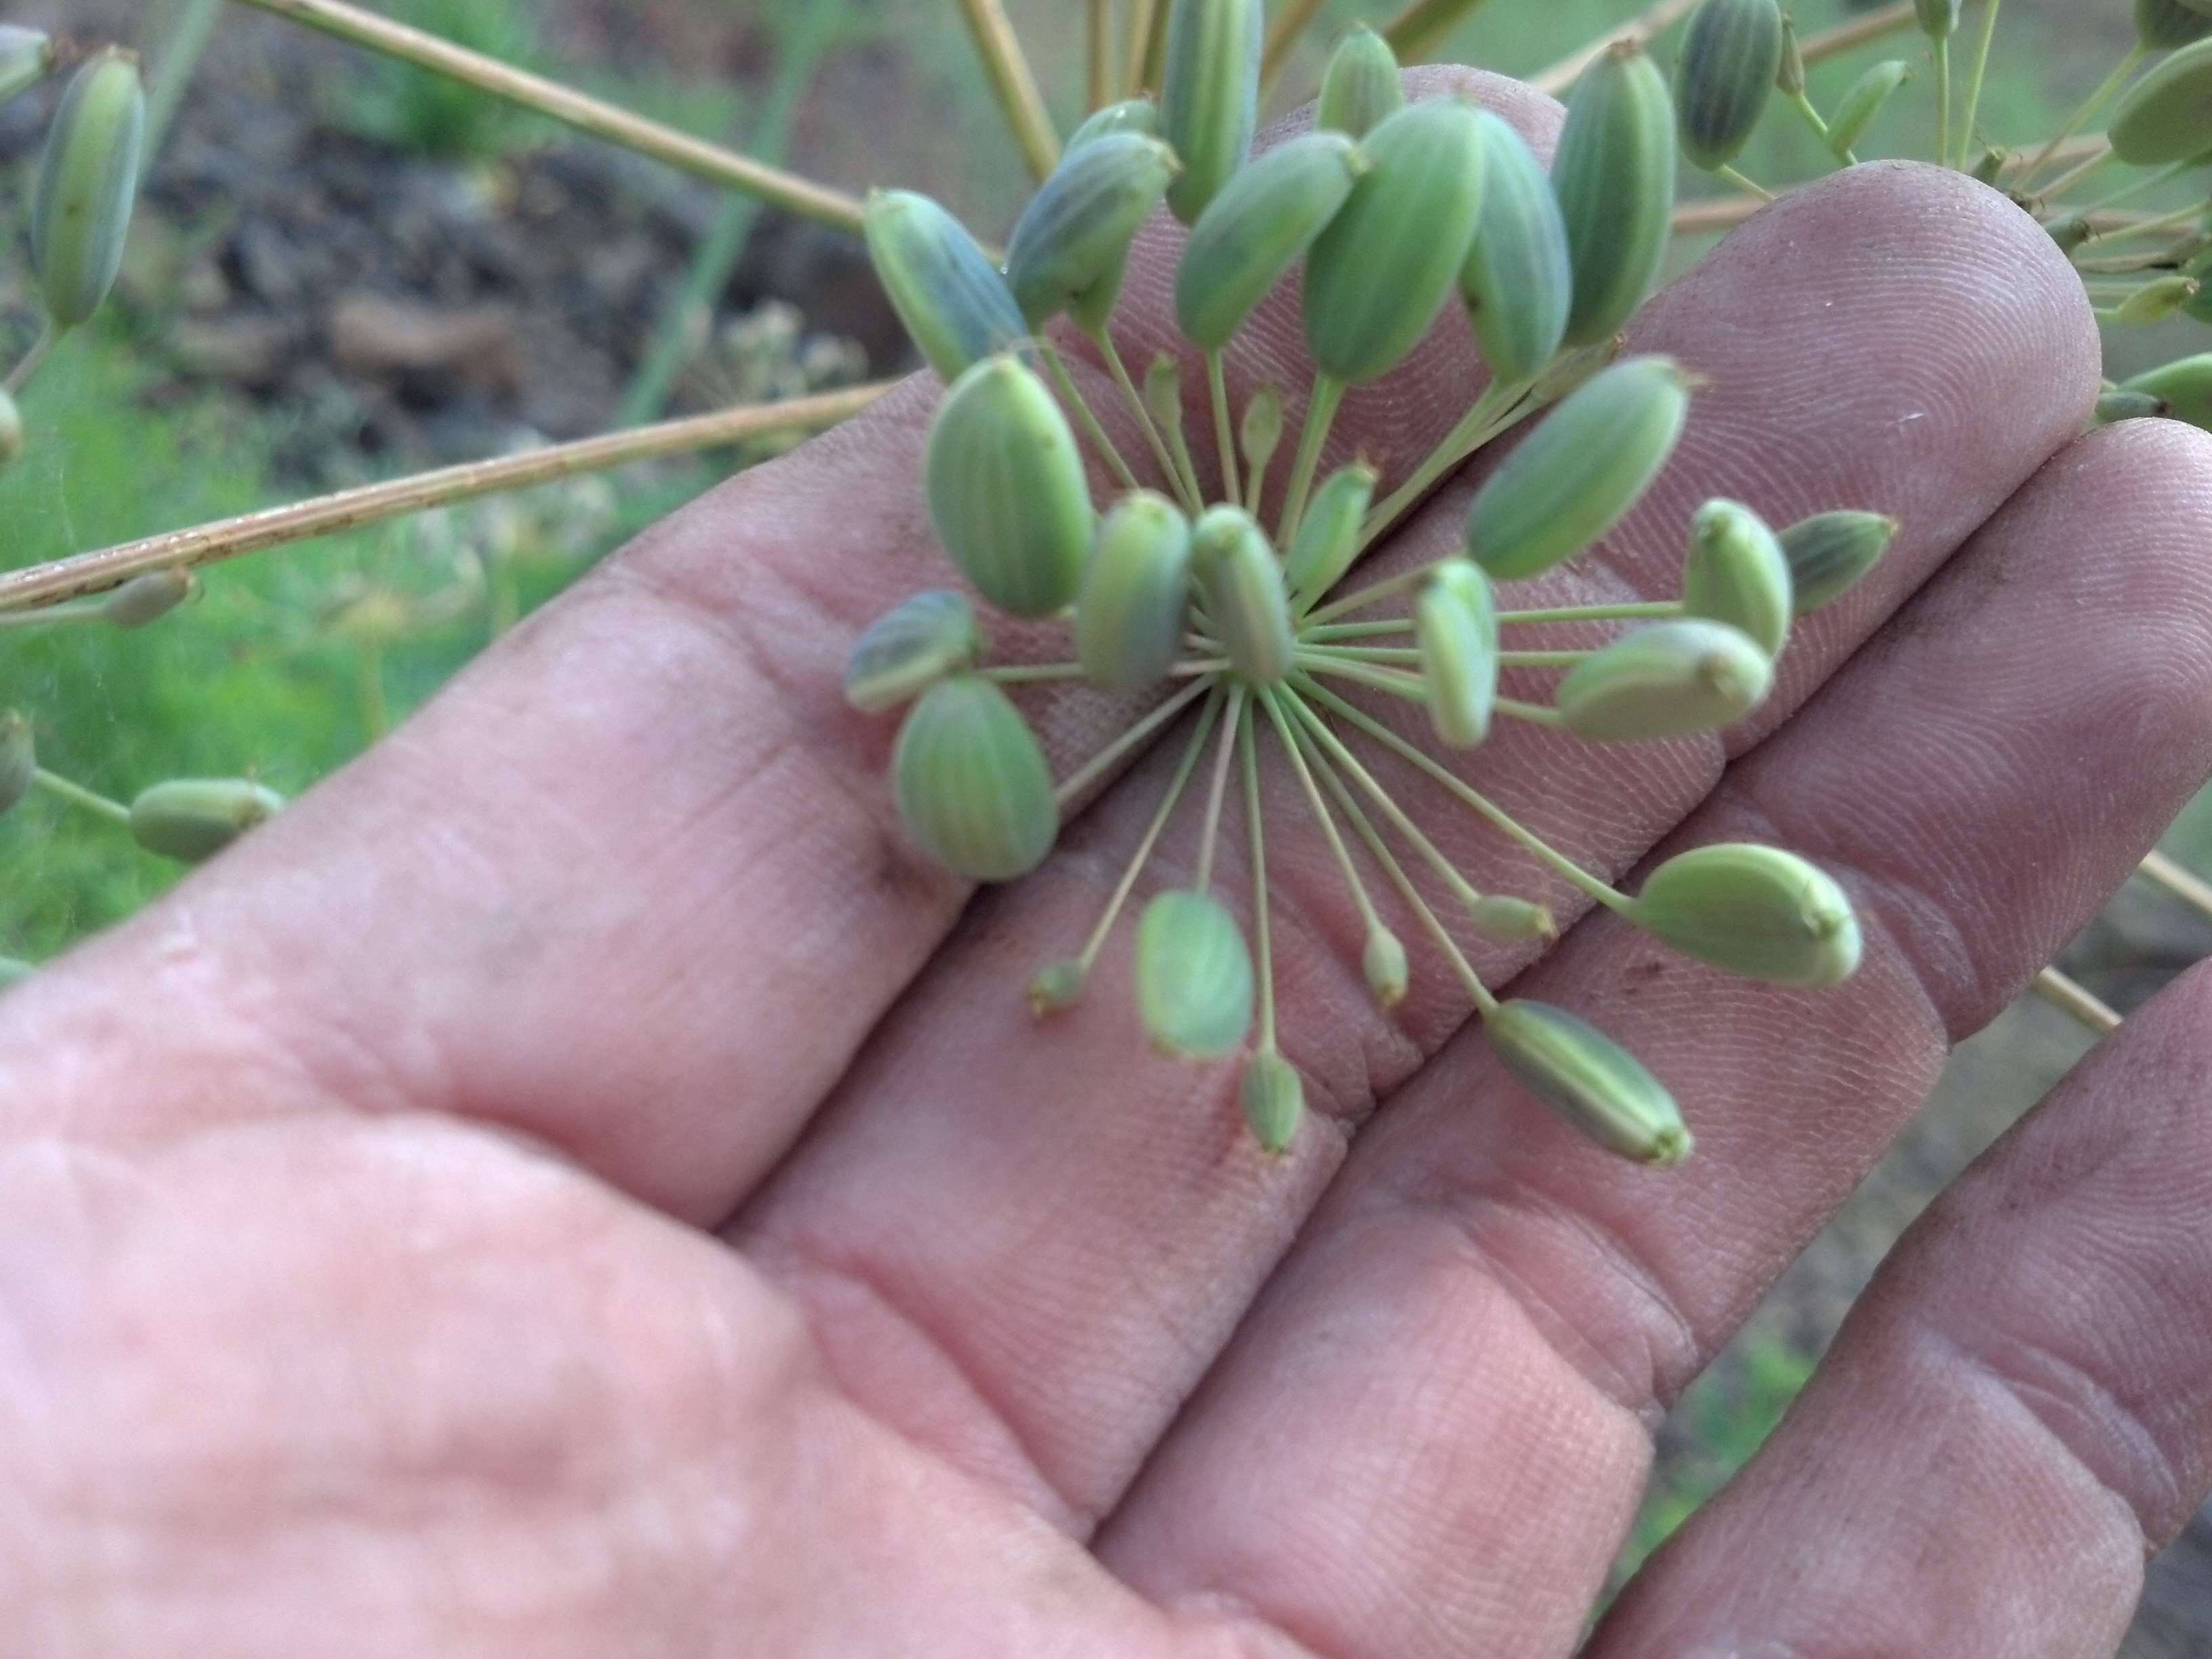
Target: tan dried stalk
1013, 83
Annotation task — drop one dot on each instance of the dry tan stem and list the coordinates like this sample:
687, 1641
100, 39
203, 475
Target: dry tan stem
1872, 27
96, 572
1653, 18
2062, 993
1419, 29
1013, 84
1102, 80
2184, 885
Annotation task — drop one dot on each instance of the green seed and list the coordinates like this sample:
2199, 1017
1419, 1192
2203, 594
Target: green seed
27, 57
1194, 976
1130, 115
1057, 987
1242, 585
971, 782
1992, 164
1163, 394
2184, 386
1413, 217
1757, 911
1731, 61
1829, 553
1209, 96
1360, 87
1384, 961
1260, 433
1591, 1080
2156, 300
1737, 573
11, 430
1006, 489
956, 305
14, 972
1578, 473
1666, 681
1789, 75
149, 597
190, 819
2117, 406
1135, 600
87, 183
1274, 1101
1518, 277
1938, 19
1327, 544
909, 649
1856, 110
1511, 920
19, 760
1614, 174
1455, 625
1072, 240
1256, 229
2163, 25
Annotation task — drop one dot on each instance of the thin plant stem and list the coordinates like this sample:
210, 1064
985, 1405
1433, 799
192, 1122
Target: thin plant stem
1034, 673
1271, 699
77, 795
1225, 429
1744, 182
1636, 610
1186, 468
1135, 737
1135, 867
1103, 71
1147, 19
2078, 1000
2180, 215
2080, 173
1334, 631
1255, 487
1975, 77
1468, 434
1283, 34
2080, 118
1104, 339
348, 509
1418, 31
2178, 880
191, 24
1262, 947
1890, 20
1321, 415
1013, 84
1412, 687
1405, 653
52, 616
2133, 188
1534, 713
1813, 118
29, 364
1373, 593
1081, 405
1565, 73
1209, 834
1942, 48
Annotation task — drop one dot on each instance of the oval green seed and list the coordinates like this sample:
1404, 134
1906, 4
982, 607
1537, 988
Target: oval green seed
1731, 61
1456, 626
1829, 553
1258, 226
2163, 25
1413, 216
190, 819
1737, 573
1586, 463
87, 183
1130, 115
1209, 96
1272, 1098
11, 430
1591, 1080
1756, 911
1006, 489
1938, 19
1194, 976
971, 782
1260, 432
956, 305
1327, 544
1071, 240
27, 57
1666, 681
2113, 407
1242, 584
1505, 920
149, 597
1614, 175
1383, 962
1790, 78
19, 760
1057, 987
2184, 386
2156, 300
1360, 87
1135, 600
910, 647
1856, 110
1518, 278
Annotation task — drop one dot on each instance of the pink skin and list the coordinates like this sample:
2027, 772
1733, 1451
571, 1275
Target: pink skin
577, 1184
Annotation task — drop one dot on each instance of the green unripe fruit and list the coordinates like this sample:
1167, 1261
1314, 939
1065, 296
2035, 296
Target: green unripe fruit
971, 782
1591, 1080
1614, 175
1731, 63
1668, 680
1007, 491
1209, 96
1072, 240
27, 57
1360, 87
1243, 586
194, 819
1135, 600
1057, 987
1856, 110
1518, 278
1258, 226
1272, 1098
149, 597
1829, 553
1456, 626
910, 647
956, 305
88, 185
2184, 386
2113, 407
1383, 961
1757, 911
1737, 573
1327, 544
1194, 976
1131, 115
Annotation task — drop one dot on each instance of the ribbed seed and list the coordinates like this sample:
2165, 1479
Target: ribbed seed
1194, 976
87, 183
1243, 586
1829, 553
1756, 911
1209, 96
1591, 1080
971, 782
1072, 240
1505, 920
2184, 386
1006, 489
956, 305
1518, 277
1413, 216
1272, 1098
1666, 680
1130, 115
1585, 464
27, 57
1258, 226
190, 819
1614, 174
1731, 61
1135, 600
1360, 87
2163, 25
2156, 300
1327, 544
1856, 110
910, 647
2113, 407
149, 597
1456, 626
19, 760
1737, 573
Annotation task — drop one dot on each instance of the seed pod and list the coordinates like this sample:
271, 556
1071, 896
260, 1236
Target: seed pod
19, 760
1938, 19
88, 182
1360, 87
1518, 277
2069, 234
1757, 911
1243, 586
971, 782
1737, 573
27, 57
2184, 386
1413, 216
1256, 227
2163, 25
1789, 75
1057, 987
1006, 489
2114, 407
1130, 115
1856, 110
1586, 463
1327, 544
1384, 961
1163, 394
1209, 96
1194, 976
1829, 552
1666, 681
149, 597
910, 647
1588, 1079
1991, 166
1456, 625
1135, 599
2156, 300
1261, 430
11, 430
956, 305
1505, 920
1273, 1099
1731, 60
1071, 240
190, 819
1614, 174
14, 972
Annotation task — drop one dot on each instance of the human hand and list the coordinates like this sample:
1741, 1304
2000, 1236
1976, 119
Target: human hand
576, 1184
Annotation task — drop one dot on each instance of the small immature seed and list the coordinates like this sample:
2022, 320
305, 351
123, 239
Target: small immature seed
1132, 608
1194, 976
2184, 386
971, 782
1591, 1080
87, 183
1737, 573
1260, 433
1070, 242
1456, 626
1991, 166
1505, 920
1163, 392
1384, 961
1242, 584
1007, 492
1272, 1098
1210, 95
1327, 544
190, 819
1057, 987
1731, 60
19, 760
2123, 405
1666, 680
910, 647
2156, 300
1256, 227
1130, 115
1829, 553
1518, 278
1789, 75
27, 57
956, 305
149, 597
2069, 234
1938, 19
1756, 911
1614, 174
1360, 87
1856, 110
